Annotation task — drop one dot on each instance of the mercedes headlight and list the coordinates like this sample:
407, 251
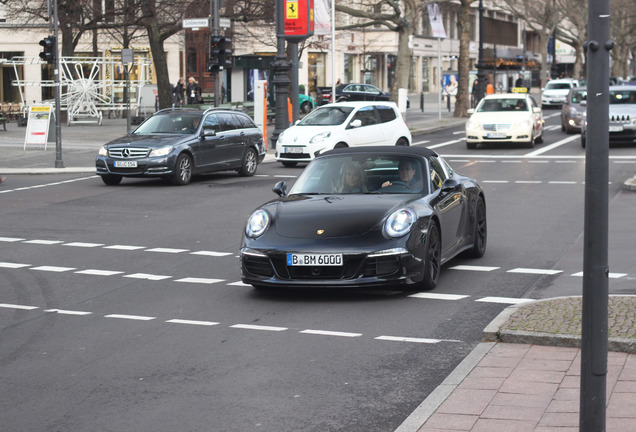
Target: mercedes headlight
257, 224
472, 124
103, 151
162, 151
321, 137
400, 222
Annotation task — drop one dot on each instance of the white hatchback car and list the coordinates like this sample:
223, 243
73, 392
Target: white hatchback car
556, 92
342, 124
511, 117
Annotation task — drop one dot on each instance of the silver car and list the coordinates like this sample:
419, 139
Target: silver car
622, 116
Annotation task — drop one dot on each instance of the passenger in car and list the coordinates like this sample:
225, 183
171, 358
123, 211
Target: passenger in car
353, 179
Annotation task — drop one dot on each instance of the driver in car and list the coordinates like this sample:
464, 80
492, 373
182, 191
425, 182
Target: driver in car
407, 170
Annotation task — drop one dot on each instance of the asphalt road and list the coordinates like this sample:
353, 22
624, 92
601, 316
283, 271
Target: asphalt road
121, 307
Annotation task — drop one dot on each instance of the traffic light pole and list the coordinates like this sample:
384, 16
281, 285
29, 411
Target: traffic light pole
59, 163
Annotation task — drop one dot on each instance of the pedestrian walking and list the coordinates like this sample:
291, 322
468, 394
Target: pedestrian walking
178, 93
194, 92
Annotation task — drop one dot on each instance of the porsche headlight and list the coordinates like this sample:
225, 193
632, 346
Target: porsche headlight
162, 151
103, 151
321, 137
257, 224
400, 222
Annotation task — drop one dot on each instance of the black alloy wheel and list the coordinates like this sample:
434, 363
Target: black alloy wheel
480, 234
182, 170
250, 163
432, 263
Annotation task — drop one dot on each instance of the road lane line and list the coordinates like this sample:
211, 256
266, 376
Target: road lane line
415, 340
434, 296
11, 239
43, 242
503, 300
147, 276
474, 268
130, 317
15, 306
609, 275
86, 245
535, 271
95, 272
330, 333
445, 143
211, 253
200, 280
55, 269
68, 312
13, 265
258, 327
193, 322
167, 250
124, 247
551, 146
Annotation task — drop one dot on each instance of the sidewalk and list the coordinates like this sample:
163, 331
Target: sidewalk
81, 141
525, 376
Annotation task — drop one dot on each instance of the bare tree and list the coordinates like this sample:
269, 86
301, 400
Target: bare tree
623, 31
397, 16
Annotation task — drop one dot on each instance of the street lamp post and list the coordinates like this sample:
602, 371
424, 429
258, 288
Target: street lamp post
481, 72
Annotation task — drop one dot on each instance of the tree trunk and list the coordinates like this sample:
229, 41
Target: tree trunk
403, 61
462, 101
160, 63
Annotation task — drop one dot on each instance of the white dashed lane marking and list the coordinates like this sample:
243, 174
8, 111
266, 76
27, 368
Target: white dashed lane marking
504, 300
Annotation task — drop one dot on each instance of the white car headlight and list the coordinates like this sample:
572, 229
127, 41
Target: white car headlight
321, 137
257, 224
400, 222
472, 124
103, 151
162, 151
527, 123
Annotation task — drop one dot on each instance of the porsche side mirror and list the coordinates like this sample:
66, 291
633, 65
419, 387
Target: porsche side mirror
450, 184
280, 189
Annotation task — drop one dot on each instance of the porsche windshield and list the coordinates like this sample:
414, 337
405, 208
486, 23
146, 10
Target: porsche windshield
171, 123
361, 174
326, 116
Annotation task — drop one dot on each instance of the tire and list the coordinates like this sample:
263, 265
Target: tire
531, 143
305, 107
111, 179
249, 164
432, 262
471, 146
539, 139
289, 164
480, 234
563, 128
402, 142
182, 173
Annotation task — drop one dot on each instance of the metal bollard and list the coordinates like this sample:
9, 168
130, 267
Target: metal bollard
422, 101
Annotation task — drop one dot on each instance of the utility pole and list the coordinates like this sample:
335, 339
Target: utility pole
59, 163
592, 410
481, 72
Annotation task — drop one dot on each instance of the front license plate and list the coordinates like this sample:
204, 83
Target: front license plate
314, 259
616, 128
495, 135
125, 164
293, 149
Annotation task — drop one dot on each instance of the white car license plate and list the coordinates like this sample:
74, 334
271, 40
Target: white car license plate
314, 260
293, 149
495, 135
616, 128
125, 164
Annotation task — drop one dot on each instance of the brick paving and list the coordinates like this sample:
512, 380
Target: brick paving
513, 386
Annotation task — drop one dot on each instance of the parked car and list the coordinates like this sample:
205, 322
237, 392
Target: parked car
511, 117
572, 110
306, 103
343, 124
353, 92
176, 143
556, 91
409, 215
622, 116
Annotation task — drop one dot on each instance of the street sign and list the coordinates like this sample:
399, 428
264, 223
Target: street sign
196, 22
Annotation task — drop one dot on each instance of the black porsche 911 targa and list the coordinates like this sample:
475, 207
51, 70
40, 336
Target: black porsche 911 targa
379, 217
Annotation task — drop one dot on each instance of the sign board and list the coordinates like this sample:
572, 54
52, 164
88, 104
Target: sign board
127, 56
196, 22
37, 131
435, 18
299, 20
225, 22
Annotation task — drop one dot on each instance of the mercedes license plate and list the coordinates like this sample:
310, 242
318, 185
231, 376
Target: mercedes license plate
314, 260
495, 135
293, 149
125, 164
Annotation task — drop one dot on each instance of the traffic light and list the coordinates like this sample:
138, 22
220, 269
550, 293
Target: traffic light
48, 54
220, 53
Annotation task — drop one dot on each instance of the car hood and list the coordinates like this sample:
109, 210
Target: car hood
302, 216
556, 92
153, 141
500, 117
302, 134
